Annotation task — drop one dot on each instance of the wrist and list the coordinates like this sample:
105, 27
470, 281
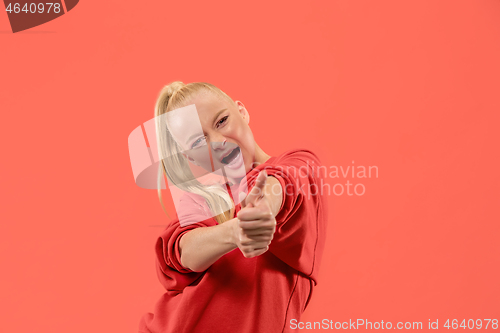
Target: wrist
230, 233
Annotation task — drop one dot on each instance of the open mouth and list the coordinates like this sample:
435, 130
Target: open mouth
229, 158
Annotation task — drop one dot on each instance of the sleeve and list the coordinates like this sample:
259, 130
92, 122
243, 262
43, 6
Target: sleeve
172, 275
301, 221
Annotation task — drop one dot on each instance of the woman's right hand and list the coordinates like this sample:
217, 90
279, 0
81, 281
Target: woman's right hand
253, 236
254, 227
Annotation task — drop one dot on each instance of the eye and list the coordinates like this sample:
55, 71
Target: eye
198, 142
222, 121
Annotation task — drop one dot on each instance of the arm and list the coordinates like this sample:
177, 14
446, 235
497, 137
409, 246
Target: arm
273, 193
201, 247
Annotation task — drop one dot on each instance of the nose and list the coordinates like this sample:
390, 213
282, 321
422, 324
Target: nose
221, 144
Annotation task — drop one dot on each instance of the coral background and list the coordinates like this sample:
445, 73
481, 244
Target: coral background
408, 86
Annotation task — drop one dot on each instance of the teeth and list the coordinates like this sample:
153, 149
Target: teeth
235, 151
229, 153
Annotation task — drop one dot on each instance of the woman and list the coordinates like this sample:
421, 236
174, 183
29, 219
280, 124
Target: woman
226, 265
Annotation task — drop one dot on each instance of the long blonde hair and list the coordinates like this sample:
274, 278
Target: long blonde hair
173, 96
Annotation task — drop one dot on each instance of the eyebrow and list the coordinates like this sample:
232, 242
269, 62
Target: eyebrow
197, 134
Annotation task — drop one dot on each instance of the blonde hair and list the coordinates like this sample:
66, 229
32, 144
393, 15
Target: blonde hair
173, 96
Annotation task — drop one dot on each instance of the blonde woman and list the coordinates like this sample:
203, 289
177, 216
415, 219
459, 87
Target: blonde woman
226, 265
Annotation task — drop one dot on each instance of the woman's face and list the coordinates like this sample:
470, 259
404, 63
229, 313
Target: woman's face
219, 125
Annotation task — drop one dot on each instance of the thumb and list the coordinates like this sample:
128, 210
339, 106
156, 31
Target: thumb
258, 190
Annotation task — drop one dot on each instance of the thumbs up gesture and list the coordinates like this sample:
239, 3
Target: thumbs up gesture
255, 223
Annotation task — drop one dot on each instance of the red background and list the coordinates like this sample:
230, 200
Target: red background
410, 87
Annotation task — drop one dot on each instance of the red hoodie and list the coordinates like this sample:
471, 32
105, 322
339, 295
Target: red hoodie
249, 295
